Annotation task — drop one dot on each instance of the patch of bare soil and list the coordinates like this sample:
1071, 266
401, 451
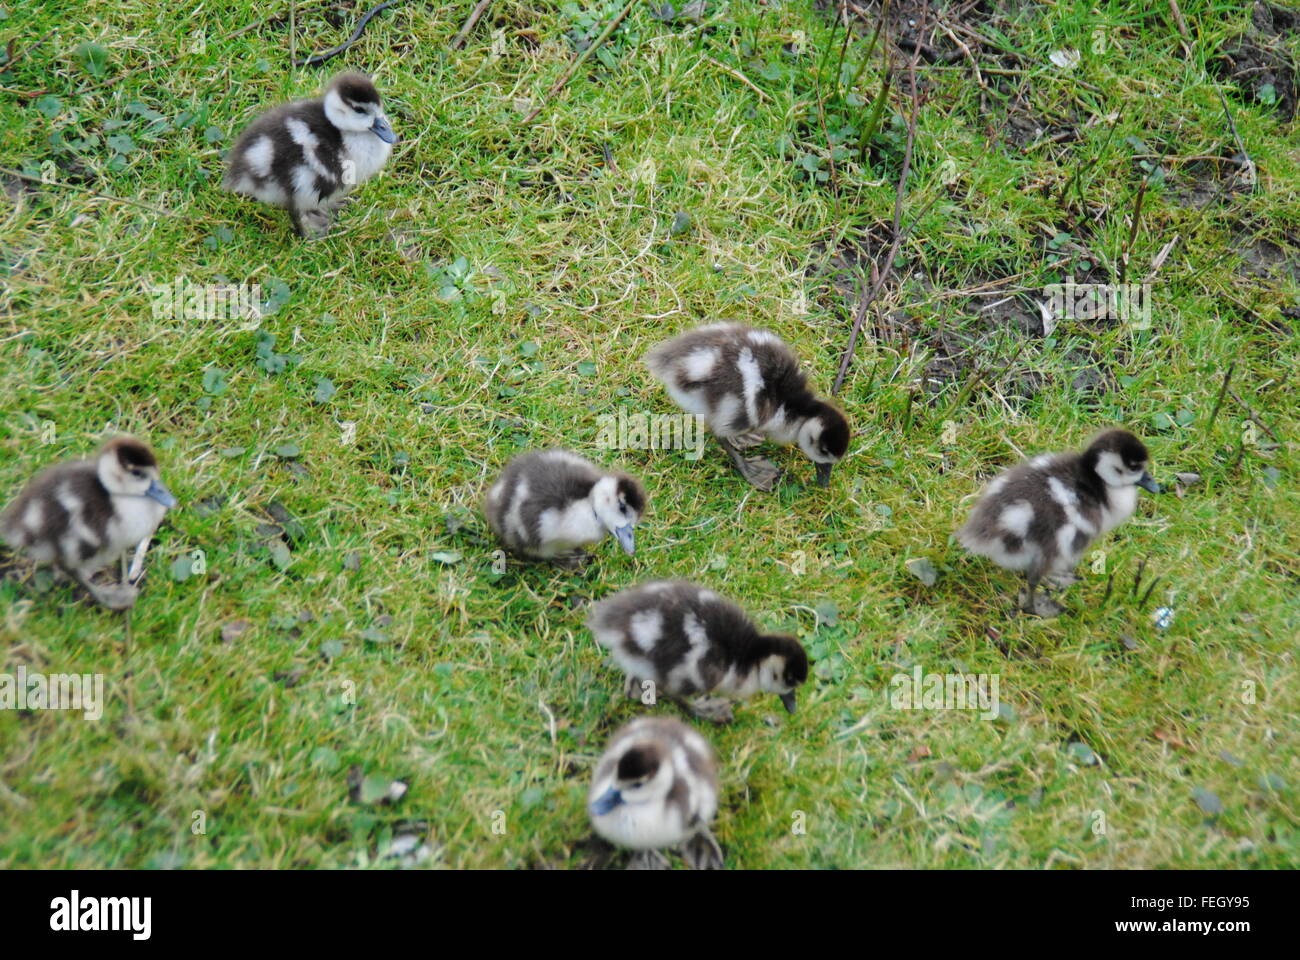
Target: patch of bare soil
1260, 62
977, 333
1209, 181
837, 274
941, 34
1023, 129
1263, 258
16, 188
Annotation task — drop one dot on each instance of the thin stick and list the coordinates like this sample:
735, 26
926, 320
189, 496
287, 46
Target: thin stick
80, 189
966, 53
762, 95
1182, 27
470, 24
1251, 174
1137, 577
1137, 210
1179, 21
25, 94
1223, 390
319, 58
14, 61
582, 58
1255, 416
1142, 604
870, 296
1160, 259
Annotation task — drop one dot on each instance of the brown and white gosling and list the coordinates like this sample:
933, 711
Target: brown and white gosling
687, 640
306, 156
656, 787
1040, 516
82, 516
554, 504
748, 386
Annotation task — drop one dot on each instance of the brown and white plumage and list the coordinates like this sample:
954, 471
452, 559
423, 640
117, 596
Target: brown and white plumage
306, 156
84, 515
656, 787
554, 504
687, 640
1040, 516
748, 386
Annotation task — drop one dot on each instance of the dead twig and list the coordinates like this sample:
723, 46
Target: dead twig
80, 189
470, 24
1250, 412
317, 59
582, 58
1182, 27
1223, 390
881, 275
1251, 174
970, 58
1160, 259
1142, 604
1137, 577
13, 60
762, 95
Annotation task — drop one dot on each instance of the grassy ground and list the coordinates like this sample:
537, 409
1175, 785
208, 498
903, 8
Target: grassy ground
494, 290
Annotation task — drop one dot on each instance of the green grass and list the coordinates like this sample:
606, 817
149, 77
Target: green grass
483, 692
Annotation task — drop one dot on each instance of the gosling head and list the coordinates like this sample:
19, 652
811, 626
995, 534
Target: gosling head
1121, 460
784, 669
352, 104
128, 468
642, 777
824, 439
619, 502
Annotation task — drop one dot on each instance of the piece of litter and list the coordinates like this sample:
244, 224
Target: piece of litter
1066, 59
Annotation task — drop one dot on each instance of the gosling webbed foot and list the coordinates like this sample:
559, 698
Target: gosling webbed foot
121, 596
746, 441
648, 860
1062, 580
702, 852
762, 473
1039, 603
713, 709
571, 561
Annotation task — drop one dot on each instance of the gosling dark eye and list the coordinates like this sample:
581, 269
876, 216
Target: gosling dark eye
359, 109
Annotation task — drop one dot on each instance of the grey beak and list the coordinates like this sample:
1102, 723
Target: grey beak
160, 493
1148, 482
787, 699
383, 131
824, 474
606, 802
626, 539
